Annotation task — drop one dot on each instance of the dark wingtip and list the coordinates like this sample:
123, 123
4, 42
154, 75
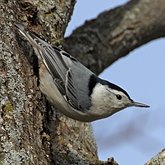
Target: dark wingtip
19, 26
16, 24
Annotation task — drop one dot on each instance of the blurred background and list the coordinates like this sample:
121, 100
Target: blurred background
134, 135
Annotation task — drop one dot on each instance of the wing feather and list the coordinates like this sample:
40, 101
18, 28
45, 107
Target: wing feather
69, 75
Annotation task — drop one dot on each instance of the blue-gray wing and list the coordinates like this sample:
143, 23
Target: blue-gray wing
75, 77
69, 75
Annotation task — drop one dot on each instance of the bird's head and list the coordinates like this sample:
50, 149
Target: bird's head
108, 98
121, 99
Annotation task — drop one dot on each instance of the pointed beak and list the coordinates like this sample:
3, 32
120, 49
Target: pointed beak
136, 104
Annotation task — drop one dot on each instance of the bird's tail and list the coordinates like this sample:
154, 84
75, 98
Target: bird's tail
25, 32
30, 36
21, 28
50, 56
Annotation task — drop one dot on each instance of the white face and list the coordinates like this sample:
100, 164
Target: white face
107, 101
119, 99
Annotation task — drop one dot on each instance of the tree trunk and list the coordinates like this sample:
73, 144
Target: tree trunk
31, 131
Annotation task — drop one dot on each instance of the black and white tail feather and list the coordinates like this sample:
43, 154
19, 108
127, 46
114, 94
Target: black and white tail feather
76, 84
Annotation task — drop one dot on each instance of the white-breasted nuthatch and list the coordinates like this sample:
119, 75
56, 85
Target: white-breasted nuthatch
75, 90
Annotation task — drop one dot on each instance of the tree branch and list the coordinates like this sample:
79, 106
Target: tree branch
114, 33
159, 159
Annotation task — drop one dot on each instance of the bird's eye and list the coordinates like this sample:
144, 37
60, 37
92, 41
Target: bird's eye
119, 97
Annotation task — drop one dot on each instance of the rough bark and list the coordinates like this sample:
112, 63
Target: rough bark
31, 131
20, 106
159, 159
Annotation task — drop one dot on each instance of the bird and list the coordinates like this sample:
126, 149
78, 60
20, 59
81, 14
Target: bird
71, 87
